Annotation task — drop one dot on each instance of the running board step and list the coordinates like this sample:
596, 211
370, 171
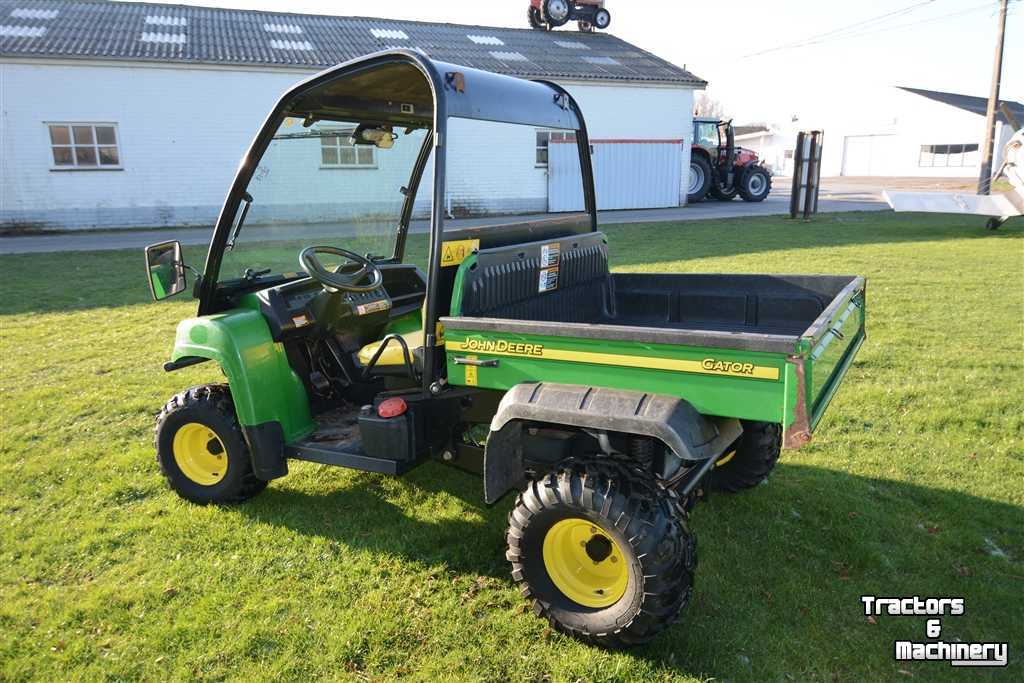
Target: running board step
315, 452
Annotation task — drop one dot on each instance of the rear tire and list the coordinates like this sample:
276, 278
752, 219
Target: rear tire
723, 195
700, 179
556, 12
602, 19
200, 448
755, 184
610, 535
750, 459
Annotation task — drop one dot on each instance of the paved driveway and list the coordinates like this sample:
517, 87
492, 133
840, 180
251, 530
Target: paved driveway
776, 203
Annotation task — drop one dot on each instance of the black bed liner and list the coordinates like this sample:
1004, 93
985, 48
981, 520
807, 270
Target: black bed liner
768, 313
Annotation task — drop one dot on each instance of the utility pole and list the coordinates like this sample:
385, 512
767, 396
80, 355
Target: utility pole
985, 174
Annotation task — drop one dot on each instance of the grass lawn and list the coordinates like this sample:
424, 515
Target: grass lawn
914, 484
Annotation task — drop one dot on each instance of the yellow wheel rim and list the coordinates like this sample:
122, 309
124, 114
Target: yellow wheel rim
199, 454
726, 458
585, 563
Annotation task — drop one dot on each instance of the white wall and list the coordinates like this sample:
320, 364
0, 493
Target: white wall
183, 130
911, 121
182, 134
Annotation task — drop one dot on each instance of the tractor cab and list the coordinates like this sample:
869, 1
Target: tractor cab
331, 264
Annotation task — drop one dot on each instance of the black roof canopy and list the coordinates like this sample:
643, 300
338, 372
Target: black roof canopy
96, 29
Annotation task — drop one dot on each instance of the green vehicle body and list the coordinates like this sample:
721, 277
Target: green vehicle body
788, 382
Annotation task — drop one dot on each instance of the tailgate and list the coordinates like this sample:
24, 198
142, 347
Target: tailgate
829, 347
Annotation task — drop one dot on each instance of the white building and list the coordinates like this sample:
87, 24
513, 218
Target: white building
909, 133
136, 115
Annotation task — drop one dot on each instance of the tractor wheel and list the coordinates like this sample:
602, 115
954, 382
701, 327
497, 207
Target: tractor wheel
749, 461
557, 12
533, 16
700, 179
603, 551
755, 184
602, 18
200, 448
722, 194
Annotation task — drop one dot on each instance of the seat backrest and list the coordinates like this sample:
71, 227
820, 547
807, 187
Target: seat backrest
558, 280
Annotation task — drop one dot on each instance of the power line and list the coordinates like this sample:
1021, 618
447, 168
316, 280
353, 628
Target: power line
859, 24
913, 24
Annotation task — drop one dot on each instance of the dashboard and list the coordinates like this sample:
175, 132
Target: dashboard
298, 308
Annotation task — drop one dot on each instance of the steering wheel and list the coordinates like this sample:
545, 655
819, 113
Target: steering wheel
336, 280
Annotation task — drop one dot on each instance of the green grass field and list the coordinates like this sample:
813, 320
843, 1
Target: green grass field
914, 485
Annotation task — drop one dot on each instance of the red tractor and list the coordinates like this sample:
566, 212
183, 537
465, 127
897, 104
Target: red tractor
719, 168
548, 14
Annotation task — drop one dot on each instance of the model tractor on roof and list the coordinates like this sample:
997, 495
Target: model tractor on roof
719, 168
548, 14
608, 402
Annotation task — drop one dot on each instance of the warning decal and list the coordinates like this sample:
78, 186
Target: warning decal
550, 255
455, 252
548, 279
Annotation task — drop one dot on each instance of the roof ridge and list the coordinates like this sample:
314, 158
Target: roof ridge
421, 22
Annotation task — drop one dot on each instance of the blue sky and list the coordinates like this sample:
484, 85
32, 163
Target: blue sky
940, 45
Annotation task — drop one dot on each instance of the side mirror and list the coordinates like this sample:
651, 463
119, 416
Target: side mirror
165, 270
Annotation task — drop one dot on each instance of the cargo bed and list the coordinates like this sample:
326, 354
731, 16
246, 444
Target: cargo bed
757, 347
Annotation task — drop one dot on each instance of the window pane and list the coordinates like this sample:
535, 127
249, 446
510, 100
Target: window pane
85, 156
365, 155
971, 148
330, 141
105, 135
62, 156
941, 149
956, 149
59, 135
83, 135
329, 156
542, 156
346, 156
542, 138
108, 155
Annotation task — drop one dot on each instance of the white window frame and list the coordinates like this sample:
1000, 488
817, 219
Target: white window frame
95, 146
947, 159
344, 134
547, 132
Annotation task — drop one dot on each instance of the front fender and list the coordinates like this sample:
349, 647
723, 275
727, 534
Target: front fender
263, 385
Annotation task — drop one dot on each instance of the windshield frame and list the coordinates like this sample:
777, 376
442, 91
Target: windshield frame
215, 296
455, 91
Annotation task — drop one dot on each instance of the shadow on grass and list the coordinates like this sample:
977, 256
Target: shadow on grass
794, 553
68, 281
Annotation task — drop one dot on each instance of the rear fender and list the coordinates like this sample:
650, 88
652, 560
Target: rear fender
689, 436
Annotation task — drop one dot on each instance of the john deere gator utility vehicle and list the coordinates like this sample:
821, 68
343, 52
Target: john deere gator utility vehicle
608, 402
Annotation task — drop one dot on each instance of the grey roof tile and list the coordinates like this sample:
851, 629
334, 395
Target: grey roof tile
976, 105
97, 29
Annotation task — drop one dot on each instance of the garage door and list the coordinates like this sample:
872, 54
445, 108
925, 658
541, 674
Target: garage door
868, 155
628, 174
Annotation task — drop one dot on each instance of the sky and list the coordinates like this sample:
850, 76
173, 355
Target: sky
839, 53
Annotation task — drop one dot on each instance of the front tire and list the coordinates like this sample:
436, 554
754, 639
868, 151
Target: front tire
755, 184
602, 19
200, 448
603, 551
750, 460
